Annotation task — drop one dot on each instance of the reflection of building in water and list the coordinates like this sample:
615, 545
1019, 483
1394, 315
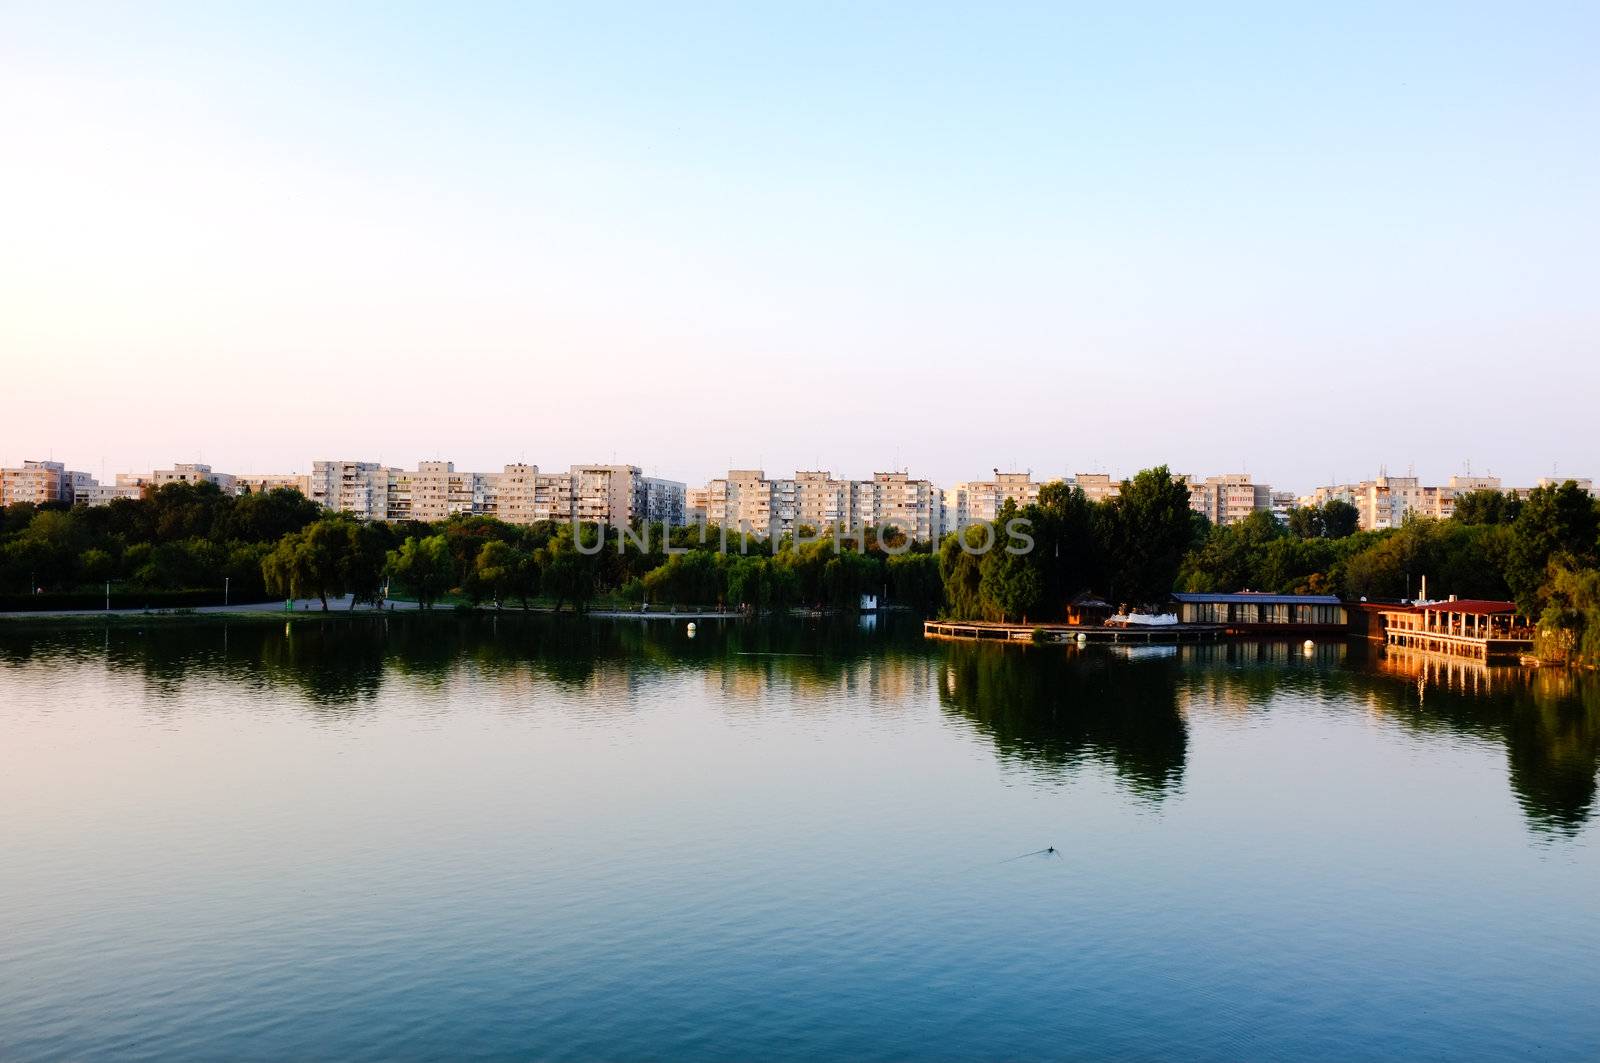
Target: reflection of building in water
1464, 675
1237, 678
1264, 651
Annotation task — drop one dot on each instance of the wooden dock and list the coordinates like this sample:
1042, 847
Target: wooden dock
986, 631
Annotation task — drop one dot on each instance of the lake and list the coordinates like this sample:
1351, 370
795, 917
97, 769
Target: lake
516, 838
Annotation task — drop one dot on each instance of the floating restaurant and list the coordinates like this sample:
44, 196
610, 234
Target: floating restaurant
1467, 628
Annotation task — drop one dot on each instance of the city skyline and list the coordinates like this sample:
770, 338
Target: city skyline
746, 498
104, 470
845, 239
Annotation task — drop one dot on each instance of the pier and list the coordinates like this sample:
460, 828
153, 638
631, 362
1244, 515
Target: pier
989, 631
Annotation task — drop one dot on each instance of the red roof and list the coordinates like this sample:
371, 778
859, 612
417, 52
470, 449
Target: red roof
1475, 606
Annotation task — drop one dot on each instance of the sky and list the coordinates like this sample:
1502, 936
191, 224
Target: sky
1304, 242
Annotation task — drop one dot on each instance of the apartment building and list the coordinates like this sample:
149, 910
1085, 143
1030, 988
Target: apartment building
437, 491
895, 500
745, 500
661, 501
1229, 498
99, 494
193, 473
1386, 501
981, 500
1584, 484
749, 499
1097, 486
255, 483
820, 501
35, 481
359, 488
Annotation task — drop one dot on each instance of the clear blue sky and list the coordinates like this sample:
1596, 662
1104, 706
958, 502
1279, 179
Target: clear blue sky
1299, 240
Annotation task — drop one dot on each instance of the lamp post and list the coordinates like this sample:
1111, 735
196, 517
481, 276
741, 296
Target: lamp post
225, 581
108, 596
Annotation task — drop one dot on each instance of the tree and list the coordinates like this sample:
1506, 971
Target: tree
1151, 527
914, 582
1486, 507
329, 557
1305, 522
1569, 628
1340, 519
505, 571
425, 566
1554, 521
1334, 519
363, 558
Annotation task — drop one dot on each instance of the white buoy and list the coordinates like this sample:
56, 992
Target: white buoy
690, 629
1310, 646
1082, 638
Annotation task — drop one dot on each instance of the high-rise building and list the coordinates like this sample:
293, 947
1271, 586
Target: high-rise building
35, 481
982, 500
359, 488
1229, 498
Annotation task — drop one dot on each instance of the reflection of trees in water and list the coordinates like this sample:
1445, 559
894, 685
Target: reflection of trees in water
348, 660
1056, 709
1050, 708
1547, 719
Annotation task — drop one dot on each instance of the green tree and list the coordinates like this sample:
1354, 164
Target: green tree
1339, 519
1151, 528
1486, 507
1554, 522
328, 558
425, 566
506, 571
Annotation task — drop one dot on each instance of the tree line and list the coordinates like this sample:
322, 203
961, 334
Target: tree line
181, 538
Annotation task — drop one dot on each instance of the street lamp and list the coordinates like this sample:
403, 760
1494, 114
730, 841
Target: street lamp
225, 581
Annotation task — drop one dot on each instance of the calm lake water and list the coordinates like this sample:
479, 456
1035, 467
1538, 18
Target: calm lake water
436, 838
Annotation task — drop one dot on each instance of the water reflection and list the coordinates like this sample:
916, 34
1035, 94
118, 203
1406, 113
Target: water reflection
1547, 719
1055, 708
1047, 711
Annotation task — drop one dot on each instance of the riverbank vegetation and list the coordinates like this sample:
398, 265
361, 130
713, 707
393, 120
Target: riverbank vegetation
182, 544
